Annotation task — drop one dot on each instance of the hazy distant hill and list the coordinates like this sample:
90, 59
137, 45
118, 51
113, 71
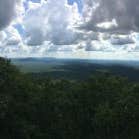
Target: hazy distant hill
76, 68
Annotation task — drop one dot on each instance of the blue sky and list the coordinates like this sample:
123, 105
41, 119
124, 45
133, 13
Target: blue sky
79, 2
39, 27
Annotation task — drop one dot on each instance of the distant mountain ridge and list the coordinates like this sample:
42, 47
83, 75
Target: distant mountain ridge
76, 68
132, 63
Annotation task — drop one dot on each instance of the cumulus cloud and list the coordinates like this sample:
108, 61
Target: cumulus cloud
93, 46
12, 36
52, 22
41, 26
122, 39
107, 25
2, 36
124, 12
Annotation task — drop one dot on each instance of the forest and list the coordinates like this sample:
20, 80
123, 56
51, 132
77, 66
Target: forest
102, 107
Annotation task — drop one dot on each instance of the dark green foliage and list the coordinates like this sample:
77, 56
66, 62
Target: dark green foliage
103, 107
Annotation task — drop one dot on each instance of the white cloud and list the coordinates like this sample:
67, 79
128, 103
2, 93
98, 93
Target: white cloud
108, 24
2, 36
122, 39
33, 6
53, 22
12, 36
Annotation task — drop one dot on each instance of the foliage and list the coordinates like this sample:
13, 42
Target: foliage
103, 107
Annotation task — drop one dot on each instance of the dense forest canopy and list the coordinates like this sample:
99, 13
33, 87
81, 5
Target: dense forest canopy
103, 107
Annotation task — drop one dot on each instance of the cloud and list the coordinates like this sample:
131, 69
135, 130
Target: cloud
12, 36
2, 36
44, 26
9, 10
10, 42
122, 39
93, 46
96, 45
52, 22
107, 25
6, 15
35, 36
124, 12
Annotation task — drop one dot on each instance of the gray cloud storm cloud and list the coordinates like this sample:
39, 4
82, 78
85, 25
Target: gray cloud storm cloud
125, 12
8, 11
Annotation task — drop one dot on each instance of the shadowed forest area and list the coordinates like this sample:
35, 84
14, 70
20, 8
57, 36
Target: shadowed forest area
102, 107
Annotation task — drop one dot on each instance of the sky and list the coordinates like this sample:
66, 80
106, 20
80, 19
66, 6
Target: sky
107, 29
